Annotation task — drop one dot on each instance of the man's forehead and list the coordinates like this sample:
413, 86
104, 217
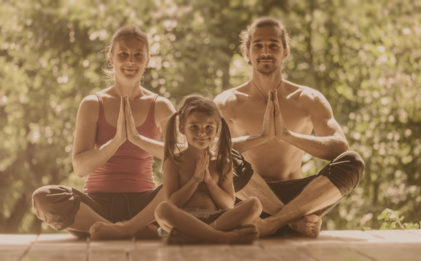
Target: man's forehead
266, 33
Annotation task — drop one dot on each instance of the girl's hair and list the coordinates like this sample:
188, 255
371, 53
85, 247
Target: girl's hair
124, 32
197, 103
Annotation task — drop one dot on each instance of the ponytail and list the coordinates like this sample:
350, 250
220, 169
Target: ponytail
170, 137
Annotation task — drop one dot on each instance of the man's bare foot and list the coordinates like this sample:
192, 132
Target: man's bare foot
107, 231
309, 225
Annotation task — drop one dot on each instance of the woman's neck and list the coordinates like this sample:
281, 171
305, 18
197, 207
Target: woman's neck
132, 90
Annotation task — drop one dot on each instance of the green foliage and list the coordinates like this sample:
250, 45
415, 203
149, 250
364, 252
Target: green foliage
362, 55
393, 220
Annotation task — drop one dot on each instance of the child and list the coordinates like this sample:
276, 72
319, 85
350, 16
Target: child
198, 181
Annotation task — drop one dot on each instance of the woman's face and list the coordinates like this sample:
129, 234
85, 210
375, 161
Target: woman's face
129, 58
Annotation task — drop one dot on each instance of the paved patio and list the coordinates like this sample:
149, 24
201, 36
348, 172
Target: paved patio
352, 245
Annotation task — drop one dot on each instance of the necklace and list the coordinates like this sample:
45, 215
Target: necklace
261, 92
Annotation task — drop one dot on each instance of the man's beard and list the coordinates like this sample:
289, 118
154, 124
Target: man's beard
267, 69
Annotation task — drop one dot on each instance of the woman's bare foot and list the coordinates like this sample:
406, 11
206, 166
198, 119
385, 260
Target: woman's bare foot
309, 225
104, 231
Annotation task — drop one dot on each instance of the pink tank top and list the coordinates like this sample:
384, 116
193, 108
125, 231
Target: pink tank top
130, 168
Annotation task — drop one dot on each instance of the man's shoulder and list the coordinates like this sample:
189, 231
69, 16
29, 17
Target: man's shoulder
309, 98
231, 98
303, 93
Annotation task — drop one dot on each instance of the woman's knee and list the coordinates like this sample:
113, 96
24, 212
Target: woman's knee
55, 204
40, 198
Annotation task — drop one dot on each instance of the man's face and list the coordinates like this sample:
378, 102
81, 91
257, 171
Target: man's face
266, 52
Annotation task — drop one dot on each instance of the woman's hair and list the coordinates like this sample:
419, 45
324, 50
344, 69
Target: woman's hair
197, 103
128, 31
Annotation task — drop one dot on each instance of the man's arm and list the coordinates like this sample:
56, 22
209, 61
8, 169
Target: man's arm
329, 140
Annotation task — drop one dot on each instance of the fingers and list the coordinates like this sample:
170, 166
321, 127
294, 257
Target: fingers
130, 123
121, 118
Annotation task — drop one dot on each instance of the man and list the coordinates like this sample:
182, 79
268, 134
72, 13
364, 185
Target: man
289, 114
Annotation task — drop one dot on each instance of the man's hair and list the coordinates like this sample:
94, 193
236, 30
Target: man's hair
245, 36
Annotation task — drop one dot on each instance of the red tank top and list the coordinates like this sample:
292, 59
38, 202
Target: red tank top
130, 168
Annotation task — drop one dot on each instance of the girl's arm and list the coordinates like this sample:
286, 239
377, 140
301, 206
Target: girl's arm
222, 192
163, 110
173, 192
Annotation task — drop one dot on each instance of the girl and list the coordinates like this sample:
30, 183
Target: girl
113, 147
198, 181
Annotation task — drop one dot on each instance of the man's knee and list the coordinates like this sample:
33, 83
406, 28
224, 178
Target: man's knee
345, 171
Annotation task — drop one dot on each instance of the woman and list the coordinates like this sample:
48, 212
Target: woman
114, 146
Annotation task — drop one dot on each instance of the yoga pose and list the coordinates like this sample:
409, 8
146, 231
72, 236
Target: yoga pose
198, 180
303, 122
114, 146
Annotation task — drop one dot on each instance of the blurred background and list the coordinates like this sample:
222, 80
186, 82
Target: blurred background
364, 56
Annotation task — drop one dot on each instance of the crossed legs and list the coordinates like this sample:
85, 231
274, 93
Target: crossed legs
235, 226
334, 181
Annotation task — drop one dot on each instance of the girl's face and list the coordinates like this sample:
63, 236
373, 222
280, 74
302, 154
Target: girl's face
129, 58
200, 130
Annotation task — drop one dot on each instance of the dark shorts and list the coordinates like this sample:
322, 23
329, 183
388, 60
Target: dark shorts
345, 172
207, 216
57, 205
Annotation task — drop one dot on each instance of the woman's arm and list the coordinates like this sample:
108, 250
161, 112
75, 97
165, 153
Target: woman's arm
173, 192
163, 110
86, 158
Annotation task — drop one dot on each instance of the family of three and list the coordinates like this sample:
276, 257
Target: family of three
231, 166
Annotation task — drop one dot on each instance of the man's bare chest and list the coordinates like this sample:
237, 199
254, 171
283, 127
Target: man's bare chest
248, 120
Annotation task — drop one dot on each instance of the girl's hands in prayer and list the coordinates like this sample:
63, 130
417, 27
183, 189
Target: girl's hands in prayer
201, 167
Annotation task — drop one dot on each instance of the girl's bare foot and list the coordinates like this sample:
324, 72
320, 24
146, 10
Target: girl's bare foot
149, 232
266, 227
309, 225
243, 235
